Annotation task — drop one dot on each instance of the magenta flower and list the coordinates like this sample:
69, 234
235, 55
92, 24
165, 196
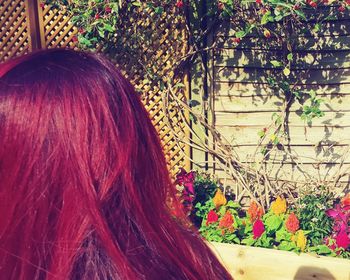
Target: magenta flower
186, 179
342, 240
212, 217
258, 228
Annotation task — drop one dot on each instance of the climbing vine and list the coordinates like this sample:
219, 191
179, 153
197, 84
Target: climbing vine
281, 26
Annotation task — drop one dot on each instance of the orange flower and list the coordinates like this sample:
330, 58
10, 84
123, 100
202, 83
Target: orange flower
219, 199
255, 211
226, 221
279, 206
292, 223
346, 200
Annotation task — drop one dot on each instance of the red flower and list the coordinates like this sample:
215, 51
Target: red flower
108, 9
347, 2
255, 211
226, 221
292, 223
97, 16
296, 7
313, 4
212, 217
342, 9
258, 228
42, 5
342, 240
346, 199
75, 39
236, 40
179, 4
221, 6
258, 1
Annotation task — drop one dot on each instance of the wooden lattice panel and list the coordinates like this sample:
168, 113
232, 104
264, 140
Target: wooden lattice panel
58, 32
158, 51
14, 32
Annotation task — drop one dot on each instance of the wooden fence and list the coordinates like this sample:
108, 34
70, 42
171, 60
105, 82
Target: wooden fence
242, 103
27, 25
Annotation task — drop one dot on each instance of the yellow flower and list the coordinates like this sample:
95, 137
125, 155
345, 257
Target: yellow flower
219, 199
279, 206
301, 240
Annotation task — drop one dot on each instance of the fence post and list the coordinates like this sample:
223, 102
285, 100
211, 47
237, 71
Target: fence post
35, 25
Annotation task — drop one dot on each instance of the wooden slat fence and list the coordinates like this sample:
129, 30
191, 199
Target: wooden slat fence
243, 103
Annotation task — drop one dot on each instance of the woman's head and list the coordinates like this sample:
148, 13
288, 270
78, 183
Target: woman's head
84, 184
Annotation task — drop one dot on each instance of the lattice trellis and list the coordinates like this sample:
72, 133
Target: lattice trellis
58, 32
14, 36
159, 53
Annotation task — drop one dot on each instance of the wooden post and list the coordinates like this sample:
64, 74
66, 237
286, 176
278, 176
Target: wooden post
34, 20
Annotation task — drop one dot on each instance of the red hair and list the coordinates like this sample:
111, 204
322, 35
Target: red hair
84, 183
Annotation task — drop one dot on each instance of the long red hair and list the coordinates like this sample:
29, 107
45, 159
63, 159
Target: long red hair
84, 186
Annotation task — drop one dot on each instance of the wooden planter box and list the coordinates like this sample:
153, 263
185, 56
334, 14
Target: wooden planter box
251, 263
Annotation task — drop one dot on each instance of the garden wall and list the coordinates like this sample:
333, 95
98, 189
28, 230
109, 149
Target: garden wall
27, 25
242, 103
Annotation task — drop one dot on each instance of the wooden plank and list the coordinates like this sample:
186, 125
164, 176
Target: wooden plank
228, 74
333, 28
326, 43
248, 135
275, 103
264, 118
251, 263
257, 90
303, 173
296, 153
262, 58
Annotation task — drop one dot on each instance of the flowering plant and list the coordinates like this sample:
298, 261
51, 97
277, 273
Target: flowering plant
282, 226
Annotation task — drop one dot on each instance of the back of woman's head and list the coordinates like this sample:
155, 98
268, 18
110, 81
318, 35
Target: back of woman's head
85, 190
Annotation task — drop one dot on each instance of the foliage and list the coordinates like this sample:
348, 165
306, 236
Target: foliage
311, 210
195, 187
311, 225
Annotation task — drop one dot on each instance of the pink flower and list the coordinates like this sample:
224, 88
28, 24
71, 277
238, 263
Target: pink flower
187, 180
258, 228
342, 240
212, 217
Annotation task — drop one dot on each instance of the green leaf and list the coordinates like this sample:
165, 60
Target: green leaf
240, 34
137, 3
286, 71
261, 133
109, 27
300, 14
159, 10
317, 27
179, 85
248, 241
323, 249
287, 246
273, 223
265, 18
84, 41
276, 63
290, 56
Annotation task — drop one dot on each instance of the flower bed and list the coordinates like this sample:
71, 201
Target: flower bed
318, 223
